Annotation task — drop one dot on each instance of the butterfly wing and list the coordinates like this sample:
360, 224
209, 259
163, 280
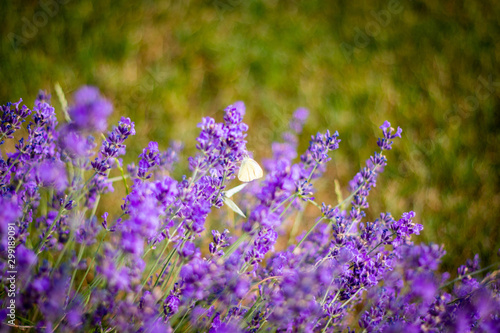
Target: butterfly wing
234, 207
234, 190
255, 170
244, 172
249, 170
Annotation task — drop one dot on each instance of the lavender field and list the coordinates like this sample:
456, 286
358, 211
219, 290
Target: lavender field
230, 166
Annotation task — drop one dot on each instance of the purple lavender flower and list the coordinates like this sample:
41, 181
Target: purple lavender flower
144, 218
117, 278
53, 174
26, 260
298, 119
87, 232
222, 145
284, 183
75, 144
385, 142
12, 119
168, 158
90, 110
42, 136
196, 279
319, 147
220, 241
98, 185
366, 179
188, 250
404, 228
149, 158
166, 192
9, 213
171, 305
113, 145
294, 305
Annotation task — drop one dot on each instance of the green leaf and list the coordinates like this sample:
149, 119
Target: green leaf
62, 100
338, 192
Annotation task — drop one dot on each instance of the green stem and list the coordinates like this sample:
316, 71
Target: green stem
171, 275
182, 320
66, 246
295, 227
326, 294
50, 230
308, 233
352, 297
80, 255
221, 184
88, 269
152, 269
62, 100
61, 211
91, 288
22, 179
347, 302
286, 208
469, 274
118, 178
338, 205
94, 209
170, 255
327, 324
312, 171
13, 163
243, 269
283, 202
123, 176
250, 312
235, 245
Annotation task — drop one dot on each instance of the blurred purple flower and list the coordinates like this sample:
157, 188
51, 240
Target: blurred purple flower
90, 111
53, 174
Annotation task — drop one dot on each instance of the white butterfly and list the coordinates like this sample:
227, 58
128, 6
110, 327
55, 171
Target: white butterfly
249, 170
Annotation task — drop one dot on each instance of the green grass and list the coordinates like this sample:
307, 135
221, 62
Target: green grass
168, 65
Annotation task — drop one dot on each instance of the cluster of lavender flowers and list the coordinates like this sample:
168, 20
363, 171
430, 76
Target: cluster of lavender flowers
159, 265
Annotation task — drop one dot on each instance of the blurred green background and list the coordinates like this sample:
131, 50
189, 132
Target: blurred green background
430, 67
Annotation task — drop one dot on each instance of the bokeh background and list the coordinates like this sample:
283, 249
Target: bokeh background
428, 66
